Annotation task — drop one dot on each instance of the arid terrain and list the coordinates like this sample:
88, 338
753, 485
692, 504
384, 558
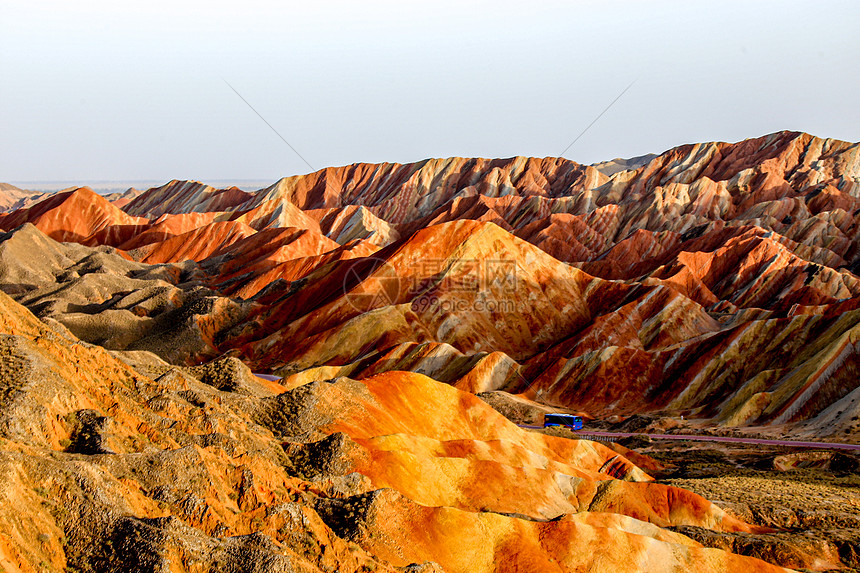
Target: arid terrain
331, 373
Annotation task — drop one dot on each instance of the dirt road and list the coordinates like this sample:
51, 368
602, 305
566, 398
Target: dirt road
587, 434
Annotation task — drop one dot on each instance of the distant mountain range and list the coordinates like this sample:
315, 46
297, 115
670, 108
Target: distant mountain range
121, 186
665, 282
714, 284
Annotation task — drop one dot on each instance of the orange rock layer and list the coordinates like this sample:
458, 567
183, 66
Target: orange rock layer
119, 460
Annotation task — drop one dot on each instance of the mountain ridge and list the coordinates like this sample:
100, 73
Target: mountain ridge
329, 373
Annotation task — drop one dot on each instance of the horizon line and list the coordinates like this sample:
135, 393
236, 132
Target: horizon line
86, 182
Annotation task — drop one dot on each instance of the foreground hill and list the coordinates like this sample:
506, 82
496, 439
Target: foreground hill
116, 461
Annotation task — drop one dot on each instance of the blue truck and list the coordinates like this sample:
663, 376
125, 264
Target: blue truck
567, 420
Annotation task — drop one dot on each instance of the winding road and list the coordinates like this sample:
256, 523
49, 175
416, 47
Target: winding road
703, 438
269, 377
686, 437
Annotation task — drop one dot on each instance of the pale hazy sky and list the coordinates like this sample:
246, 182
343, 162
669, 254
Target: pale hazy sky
95, 90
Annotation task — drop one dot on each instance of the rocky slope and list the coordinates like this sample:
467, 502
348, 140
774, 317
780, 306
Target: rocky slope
119, 461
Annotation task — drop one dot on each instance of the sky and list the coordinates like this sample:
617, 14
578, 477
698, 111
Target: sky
124, 91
